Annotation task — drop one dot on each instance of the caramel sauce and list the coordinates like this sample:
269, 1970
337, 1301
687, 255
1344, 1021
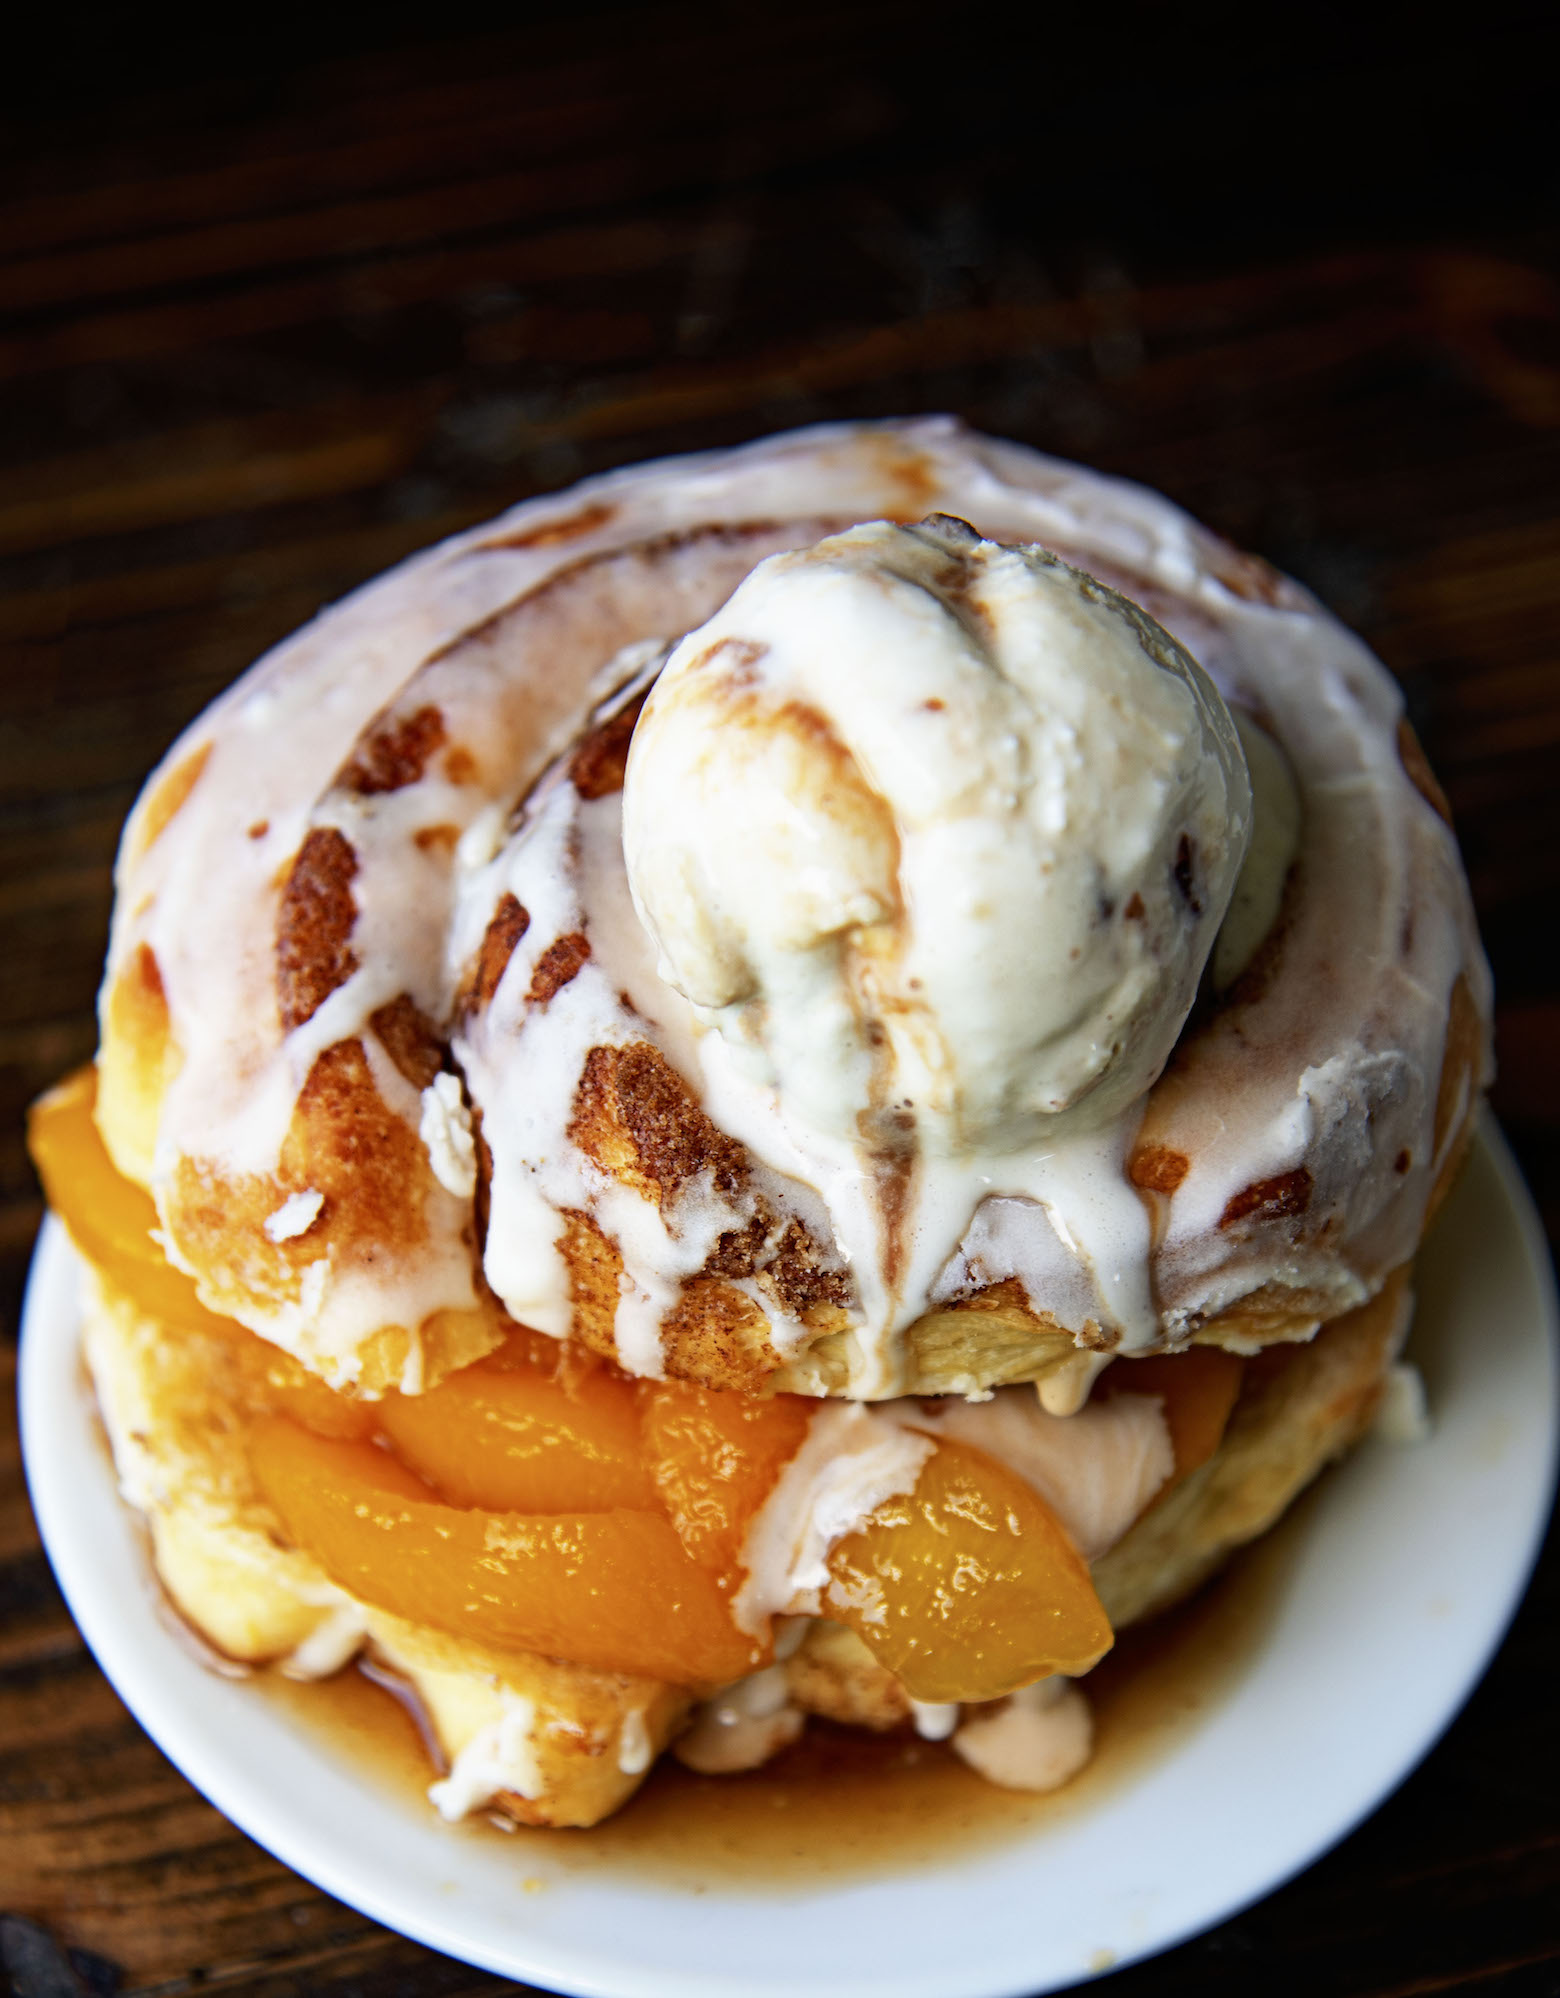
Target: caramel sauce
843, 1804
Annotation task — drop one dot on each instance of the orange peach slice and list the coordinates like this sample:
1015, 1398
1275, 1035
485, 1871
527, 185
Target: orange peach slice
613, 1590
968, 1587
275, 1383
513, 1438
109, 1218
715, 1457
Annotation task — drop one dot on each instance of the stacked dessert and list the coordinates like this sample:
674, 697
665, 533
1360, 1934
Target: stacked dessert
791, 1083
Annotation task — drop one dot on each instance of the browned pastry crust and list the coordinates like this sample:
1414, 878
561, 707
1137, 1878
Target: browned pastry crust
491, 650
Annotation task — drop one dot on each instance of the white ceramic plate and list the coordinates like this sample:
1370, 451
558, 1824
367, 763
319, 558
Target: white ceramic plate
1410, 1565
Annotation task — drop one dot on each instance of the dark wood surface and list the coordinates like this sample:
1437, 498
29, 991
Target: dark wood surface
281, 305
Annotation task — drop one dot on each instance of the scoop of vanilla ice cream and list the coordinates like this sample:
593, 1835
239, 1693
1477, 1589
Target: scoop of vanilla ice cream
938, 834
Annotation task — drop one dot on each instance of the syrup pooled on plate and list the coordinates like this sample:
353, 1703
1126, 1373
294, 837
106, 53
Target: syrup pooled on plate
842, 1804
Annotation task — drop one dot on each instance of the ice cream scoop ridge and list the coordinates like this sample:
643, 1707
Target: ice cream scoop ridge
936, 836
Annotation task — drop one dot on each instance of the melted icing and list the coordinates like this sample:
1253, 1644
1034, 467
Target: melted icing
1320, 1070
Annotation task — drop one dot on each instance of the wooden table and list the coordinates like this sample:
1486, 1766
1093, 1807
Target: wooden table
278, 314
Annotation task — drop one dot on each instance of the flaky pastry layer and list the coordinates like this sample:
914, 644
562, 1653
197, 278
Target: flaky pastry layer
173, 1406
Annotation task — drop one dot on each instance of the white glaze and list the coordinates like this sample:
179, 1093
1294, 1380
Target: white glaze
636, 1751
334, 1640
523, 1060
1334, 1066
500, 1756
295, 1217
852, 1459
445, 1129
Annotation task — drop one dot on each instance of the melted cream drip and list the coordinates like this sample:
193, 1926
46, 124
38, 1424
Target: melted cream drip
934, 1720
636, 1751
852, 1459
1096, 1469
1078, 1183
743, 1726
500, 1756
522, 1062
1065, 1389
204, 894
445, 1129
1038, 1739
337, 1638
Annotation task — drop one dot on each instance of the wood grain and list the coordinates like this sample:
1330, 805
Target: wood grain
272, 321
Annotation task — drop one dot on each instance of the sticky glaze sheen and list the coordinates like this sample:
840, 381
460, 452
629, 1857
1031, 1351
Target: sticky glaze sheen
1301, 1111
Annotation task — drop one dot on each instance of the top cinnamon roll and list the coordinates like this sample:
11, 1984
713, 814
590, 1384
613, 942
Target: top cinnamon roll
1039, 938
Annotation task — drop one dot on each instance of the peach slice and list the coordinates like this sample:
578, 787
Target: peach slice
109, 1218
515, 1438
613, 1590
274, 1383
968, 1587
715, 1457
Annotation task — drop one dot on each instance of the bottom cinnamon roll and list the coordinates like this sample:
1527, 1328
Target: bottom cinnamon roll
225, 1444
